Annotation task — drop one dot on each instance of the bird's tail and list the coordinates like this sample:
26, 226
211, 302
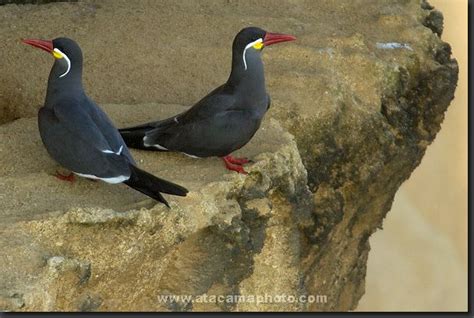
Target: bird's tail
133, 137
153, 186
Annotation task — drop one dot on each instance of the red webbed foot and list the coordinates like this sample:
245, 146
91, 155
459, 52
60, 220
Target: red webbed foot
235, 164
70, 177
236, 161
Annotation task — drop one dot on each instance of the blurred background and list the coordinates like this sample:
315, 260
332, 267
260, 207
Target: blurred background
418, 262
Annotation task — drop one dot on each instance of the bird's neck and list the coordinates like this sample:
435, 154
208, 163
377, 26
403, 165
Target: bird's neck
68, 85
250, 80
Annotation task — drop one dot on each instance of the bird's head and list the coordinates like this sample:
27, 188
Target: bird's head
66, 52
253, 39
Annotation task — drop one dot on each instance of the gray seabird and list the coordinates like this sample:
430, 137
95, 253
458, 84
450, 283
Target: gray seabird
80, 136
224, 120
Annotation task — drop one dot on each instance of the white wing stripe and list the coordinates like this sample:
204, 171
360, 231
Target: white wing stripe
112, 180
110, 151
160, 147
192, 156
146, 144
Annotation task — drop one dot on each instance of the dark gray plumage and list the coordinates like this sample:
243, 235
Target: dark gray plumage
80, 136
224, 120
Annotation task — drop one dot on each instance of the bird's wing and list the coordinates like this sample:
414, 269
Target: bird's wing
217, 101
212, 105
79, 119
182, 132
87, 123
108, 130
80, 150
143, 136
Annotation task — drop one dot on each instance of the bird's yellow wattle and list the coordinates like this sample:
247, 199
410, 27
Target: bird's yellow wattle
258, 45
57, 55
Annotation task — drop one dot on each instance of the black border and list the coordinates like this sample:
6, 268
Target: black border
469, 313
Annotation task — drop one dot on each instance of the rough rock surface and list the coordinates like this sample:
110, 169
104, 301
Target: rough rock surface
355, 102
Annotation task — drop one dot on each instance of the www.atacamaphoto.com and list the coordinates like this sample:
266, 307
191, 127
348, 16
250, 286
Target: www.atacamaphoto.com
234, 299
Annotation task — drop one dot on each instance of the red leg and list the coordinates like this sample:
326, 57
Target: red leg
233, 167
237, 161
69, 178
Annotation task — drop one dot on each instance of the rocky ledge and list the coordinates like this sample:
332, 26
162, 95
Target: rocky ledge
65, 245
356, 101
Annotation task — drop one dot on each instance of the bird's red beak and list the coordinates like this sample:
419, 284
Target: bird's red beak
42, 44
272, 38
